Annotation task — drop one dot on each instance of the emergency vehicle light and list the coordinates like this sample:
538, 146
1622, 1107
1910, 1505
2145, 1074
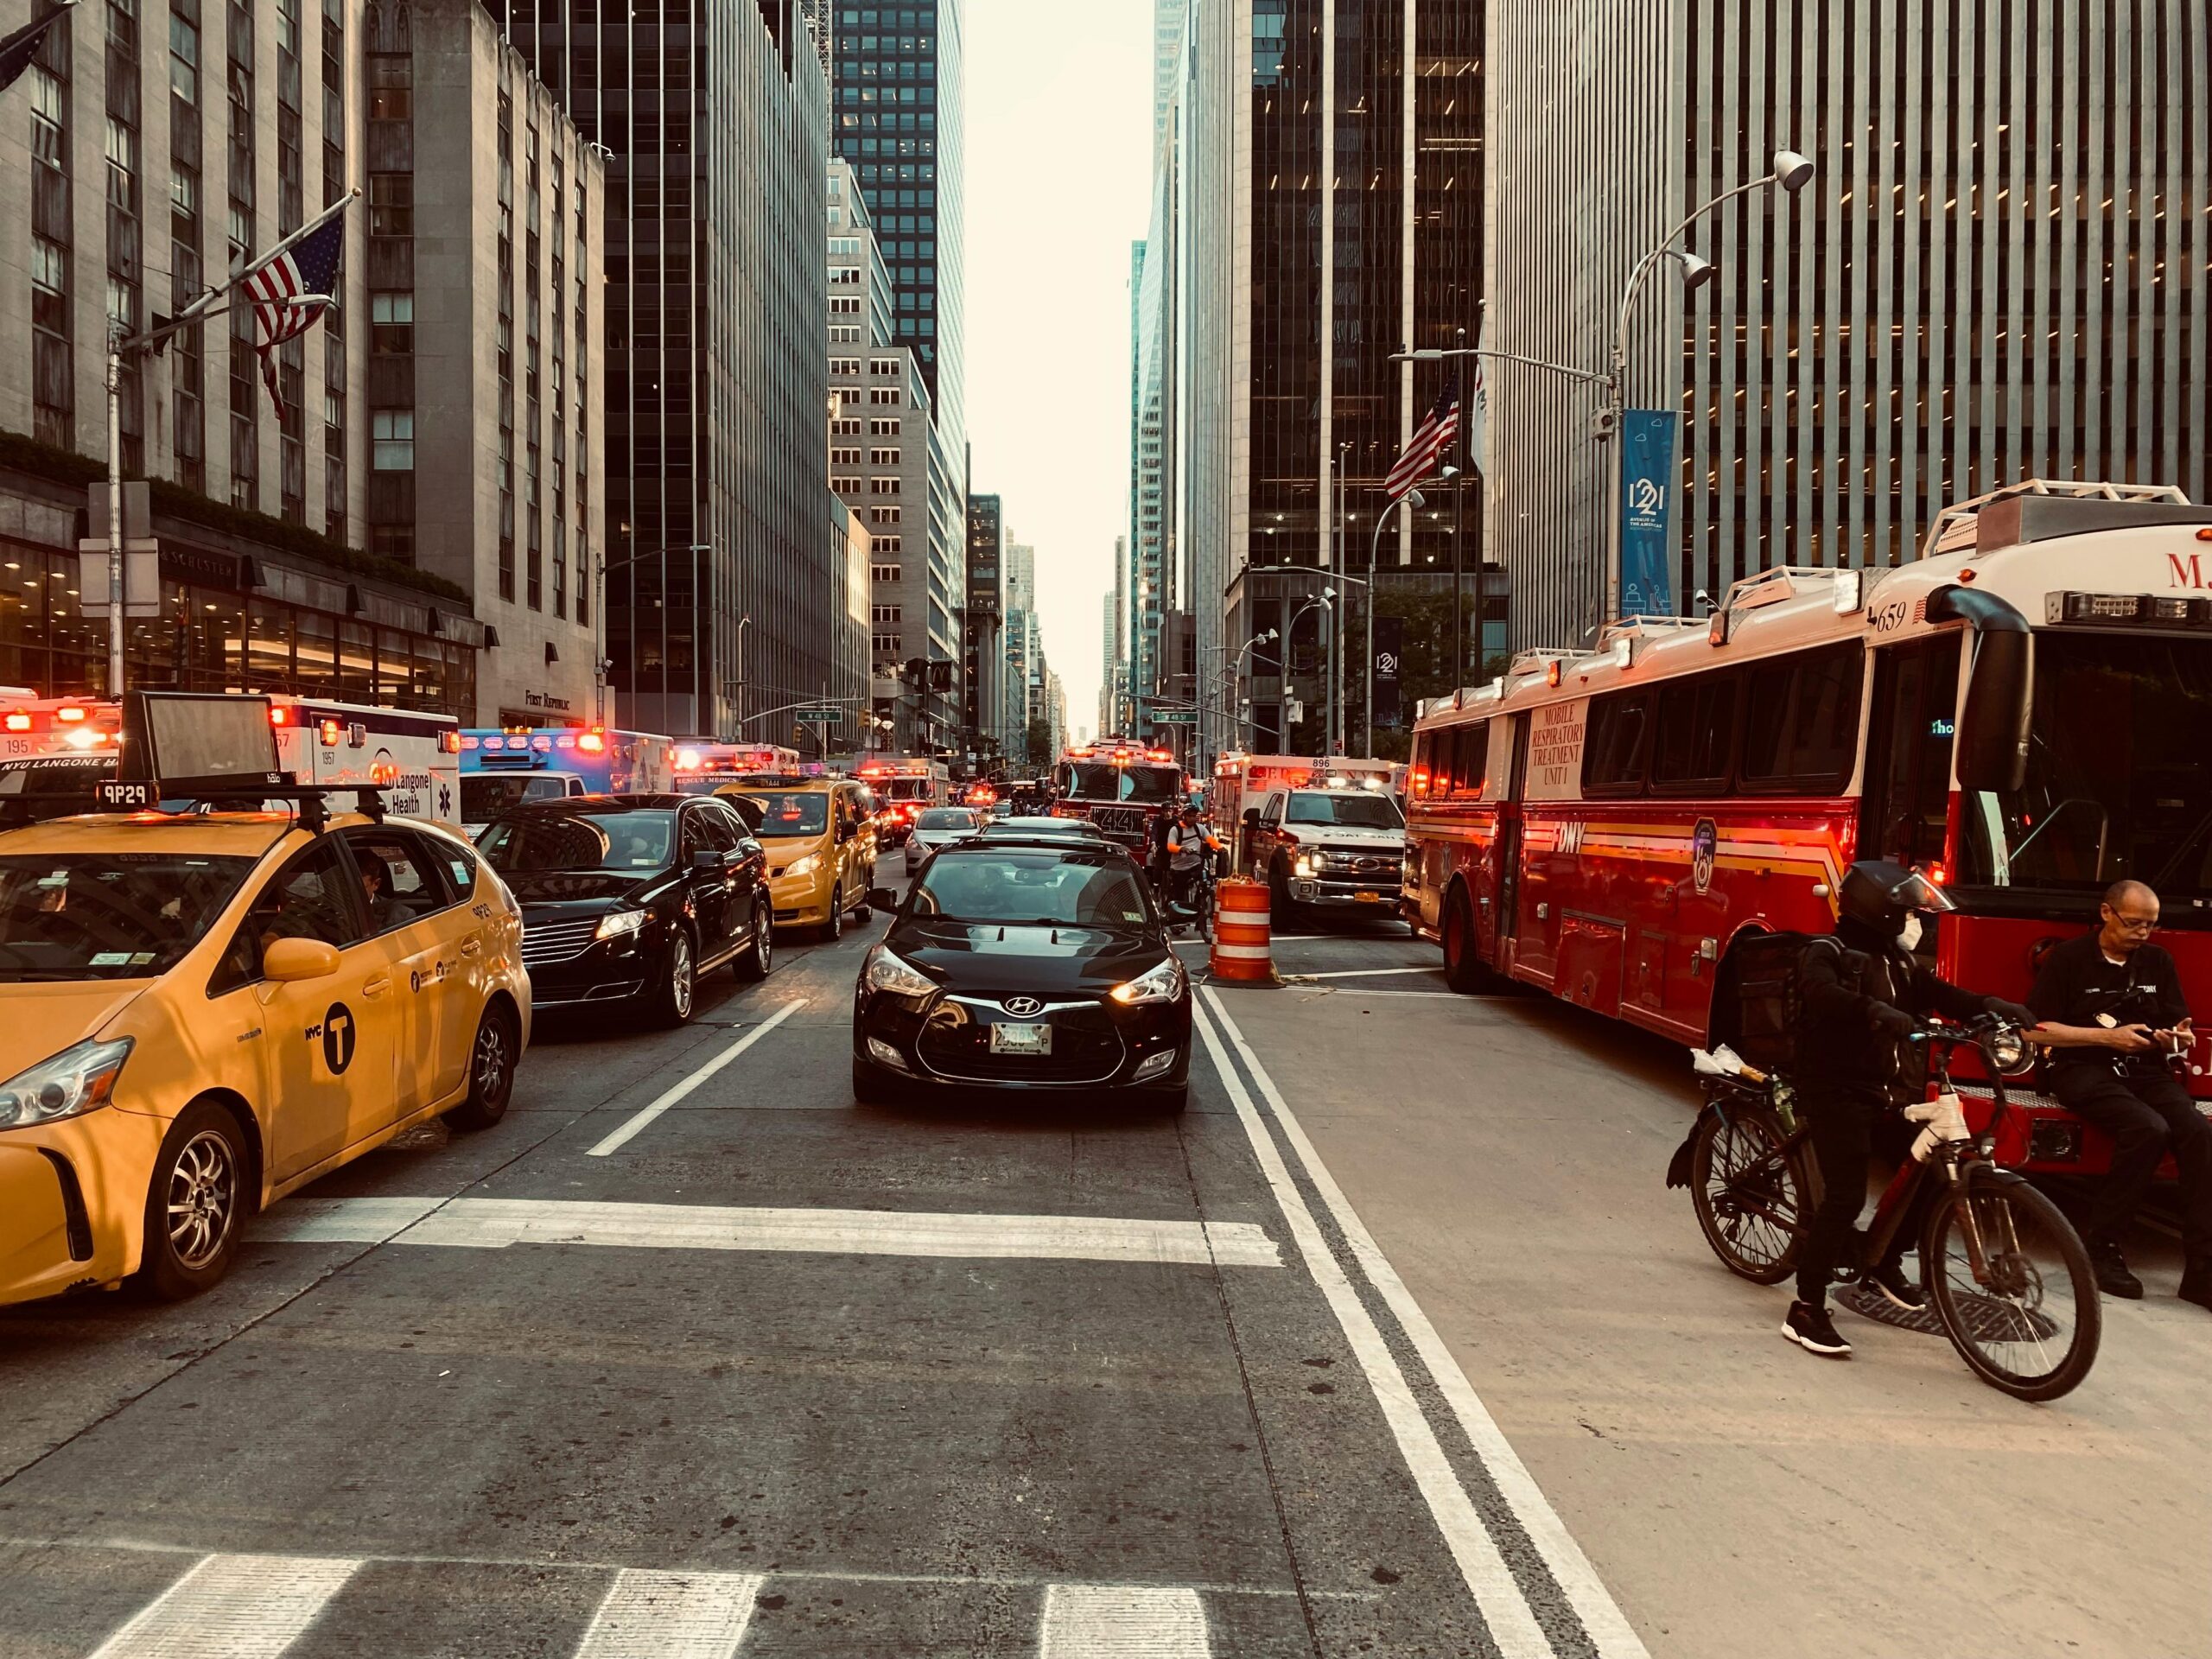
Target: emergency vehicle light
332, 733
592, 743
69, 712
2155, 609
19, 722
1163, 754
279, 715
449, 741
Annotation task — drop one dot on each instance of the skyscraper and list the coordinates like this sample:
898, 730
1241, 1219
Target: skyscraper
725, 560
1328, 160
1997, 273
897, 71
983, 620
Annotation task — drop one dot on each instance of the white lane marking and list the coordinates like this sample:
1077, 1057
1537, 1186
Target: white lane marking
495, 1224
1108, 1621
1363, 973
1593, 1604
673, 1616
615, 1141
232, 1607
1503, 1606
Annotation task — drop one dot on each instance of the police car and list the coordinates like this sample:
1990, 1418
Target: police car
202, 1011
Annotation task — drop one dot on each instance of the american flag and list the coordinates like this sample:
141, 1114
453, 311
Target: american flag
1430, 443
292, 290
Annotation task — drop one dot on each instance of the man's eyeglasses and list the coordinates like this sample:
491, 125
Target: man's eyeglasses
2131, 923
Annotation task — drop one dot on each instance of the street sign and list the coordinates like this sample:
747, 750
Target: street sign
1174, 716
819, 716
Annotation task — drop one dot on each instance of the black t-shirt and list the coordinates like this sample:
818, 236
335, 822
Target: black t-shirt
2078, 982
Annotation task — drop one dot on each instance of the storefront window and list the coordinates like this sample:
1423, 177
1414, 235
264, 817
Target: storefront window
356, 662
315, 644
269, 647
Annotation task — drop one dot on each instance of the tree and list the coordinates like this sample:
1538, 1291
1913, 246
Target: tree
1039, 740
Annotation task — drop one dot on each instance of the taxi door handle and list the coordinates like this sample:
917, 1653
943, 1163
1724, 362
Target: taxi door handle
470, 947
377, 987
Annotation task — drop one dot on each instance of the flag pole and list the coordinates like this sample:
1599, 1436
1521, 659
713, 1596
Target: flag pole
213, 302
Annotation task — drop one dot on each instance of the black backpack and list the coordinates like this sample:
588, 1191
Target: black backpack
1758, 1005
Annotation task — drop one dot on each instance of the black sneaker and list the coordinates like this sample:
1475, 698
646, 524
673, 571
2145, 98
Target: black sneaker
1900, 1292
1811, 1329
2113, 1276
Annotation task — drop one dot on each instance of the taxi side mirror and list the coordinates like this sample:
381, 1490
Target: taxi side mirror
288, 960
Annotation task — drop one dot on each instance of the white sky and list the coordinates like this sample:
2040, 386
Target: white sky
1059, 137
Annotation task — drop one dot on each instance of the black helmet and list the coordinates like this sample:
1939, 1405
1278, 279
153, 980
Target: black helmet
1879, 893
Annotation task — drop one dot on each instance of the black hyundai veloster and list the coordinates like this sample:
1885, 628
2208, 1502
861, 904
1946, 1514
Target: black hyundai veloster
1024, 965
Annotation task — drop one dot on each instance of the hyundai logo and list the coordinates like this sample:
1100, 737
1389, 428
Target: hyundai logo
1022, 1006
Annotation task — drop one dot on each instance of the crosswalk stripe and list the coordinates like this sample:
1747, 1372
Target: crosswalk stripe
232, 1607
496, 1224
1122, 1621
673, 1616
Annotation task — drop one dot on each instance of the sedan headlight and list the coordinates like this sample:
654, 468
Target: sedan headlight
803, 866
79, 1079
885, 972
620, 923
1162, 984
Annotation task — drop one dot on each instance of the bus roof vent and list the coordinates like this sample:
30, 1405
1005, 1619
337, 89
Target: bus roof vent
2041, 510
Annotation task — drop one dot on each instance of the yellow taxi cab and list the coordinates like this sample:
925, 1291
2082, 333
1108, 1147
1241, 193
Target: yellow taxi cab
202, 1012
820, 837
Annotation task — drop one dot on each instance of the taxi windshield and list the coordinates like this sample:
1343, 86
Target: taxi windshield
538, 840
801, 812
108, 915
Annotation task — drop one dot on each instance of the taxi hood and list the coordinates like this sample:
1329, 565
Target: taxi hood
39, 1020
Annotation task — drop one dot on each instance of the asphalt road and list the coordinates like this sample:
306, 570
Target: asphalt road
1394, 1344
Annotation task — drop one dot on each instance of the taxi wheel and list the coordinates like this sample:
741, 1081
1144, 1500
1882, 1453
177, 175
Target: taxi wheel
195, 1204
754, 964
678, 992
833, 929
491, 1073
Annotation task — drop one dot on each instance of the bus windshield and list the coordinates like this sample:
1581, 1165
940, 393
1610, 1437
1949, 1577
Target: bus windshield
2117, 783
1100, 781
1362, 810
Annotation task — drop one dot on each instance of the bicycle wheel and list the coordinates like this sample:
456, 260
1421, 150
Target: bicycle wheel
2030, 1323
1752, 1191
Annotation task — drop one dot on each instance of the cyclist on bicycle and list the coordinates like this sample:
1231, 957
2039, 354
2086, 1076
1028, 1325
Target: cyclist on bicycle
1191, 843
1865, 990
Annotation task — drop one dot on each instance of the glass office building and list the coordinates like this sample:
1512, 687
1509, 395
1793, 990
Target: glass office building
725, 570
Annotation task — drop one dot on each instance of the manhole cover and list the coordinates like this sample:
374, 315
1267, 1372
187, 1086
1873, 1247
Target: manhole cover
1987, 1319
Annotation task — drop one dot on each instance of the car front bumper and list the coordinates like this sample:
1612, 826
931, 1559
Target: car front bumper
945, 1040
1341, 892
72, 1201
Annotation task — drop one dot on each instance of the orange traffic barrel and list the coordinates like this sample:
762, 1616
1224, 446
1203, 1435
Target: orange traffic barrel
1240, 954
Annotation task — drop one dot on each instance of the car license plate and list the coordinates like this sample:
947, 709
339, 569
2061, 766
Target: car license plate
1021, 1039
1367, 898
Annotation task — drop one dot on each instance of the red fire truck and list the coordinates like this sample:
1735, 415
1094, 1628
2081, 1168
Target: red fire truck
1120, 786
2022, 713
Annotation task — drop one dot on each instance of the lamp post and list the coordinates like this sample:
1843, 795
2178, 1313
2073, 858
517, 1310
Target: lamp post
1326, 603
1416, 500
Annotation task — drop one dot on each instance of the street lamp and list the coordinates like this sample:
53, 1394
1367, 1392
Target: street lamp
1792, 172
1416, 500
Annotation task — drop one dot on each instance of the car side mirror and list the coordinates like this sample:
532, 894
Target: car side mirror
707, 859
1993, 726
1252, 817
882, 899
289, 962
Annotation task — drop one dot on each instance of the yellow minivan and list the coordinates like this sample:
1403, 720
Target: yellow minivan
820, 836
201, 1013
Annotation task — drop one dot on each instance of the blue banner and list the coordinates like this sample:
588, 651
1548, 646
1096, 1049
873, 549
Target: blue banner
1647, 498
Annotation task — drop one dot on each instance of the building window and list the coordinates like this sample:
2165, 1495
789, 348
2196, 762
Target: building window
391, 323
883, 428
883, 572
391, 433
883, 515
393, 541
391, 80
392, 204
886, 546
883, 457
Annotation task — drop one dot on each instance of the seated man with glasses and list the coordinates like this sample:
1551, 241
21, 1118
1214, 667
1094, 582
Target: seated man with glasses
2113, 1016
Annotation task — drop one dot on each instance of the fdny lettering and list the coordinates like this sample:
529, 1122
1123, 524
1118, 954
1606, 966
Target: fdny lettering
1570, 837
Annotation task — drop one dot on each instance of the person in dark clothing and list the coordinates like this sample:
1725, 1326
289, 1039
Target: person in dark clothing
2113, 1012
1159, 836
1865, 990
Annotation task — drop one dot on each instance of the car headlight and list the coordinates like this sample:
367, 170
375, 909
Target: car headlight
2011, 1052
803, 866
1162, 984
79, 1079
620, 923
885, 972
1304, 865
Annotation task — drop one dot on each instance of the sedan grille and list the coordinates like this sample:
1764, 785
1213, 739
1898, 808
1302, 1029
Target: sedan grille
1119, 820
1086, 1048
544, 942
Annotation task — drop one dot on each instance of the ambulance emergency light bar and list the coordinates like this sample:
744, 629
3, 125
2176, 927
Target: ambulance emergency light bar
178, 745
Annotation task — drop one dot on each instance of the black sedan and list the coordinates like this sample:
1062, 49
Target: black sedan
626, 899
1026, 965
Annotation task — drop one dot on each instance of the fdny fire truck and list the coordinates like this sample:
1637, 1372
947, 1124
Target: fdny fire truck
1120, 786
2020, 714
